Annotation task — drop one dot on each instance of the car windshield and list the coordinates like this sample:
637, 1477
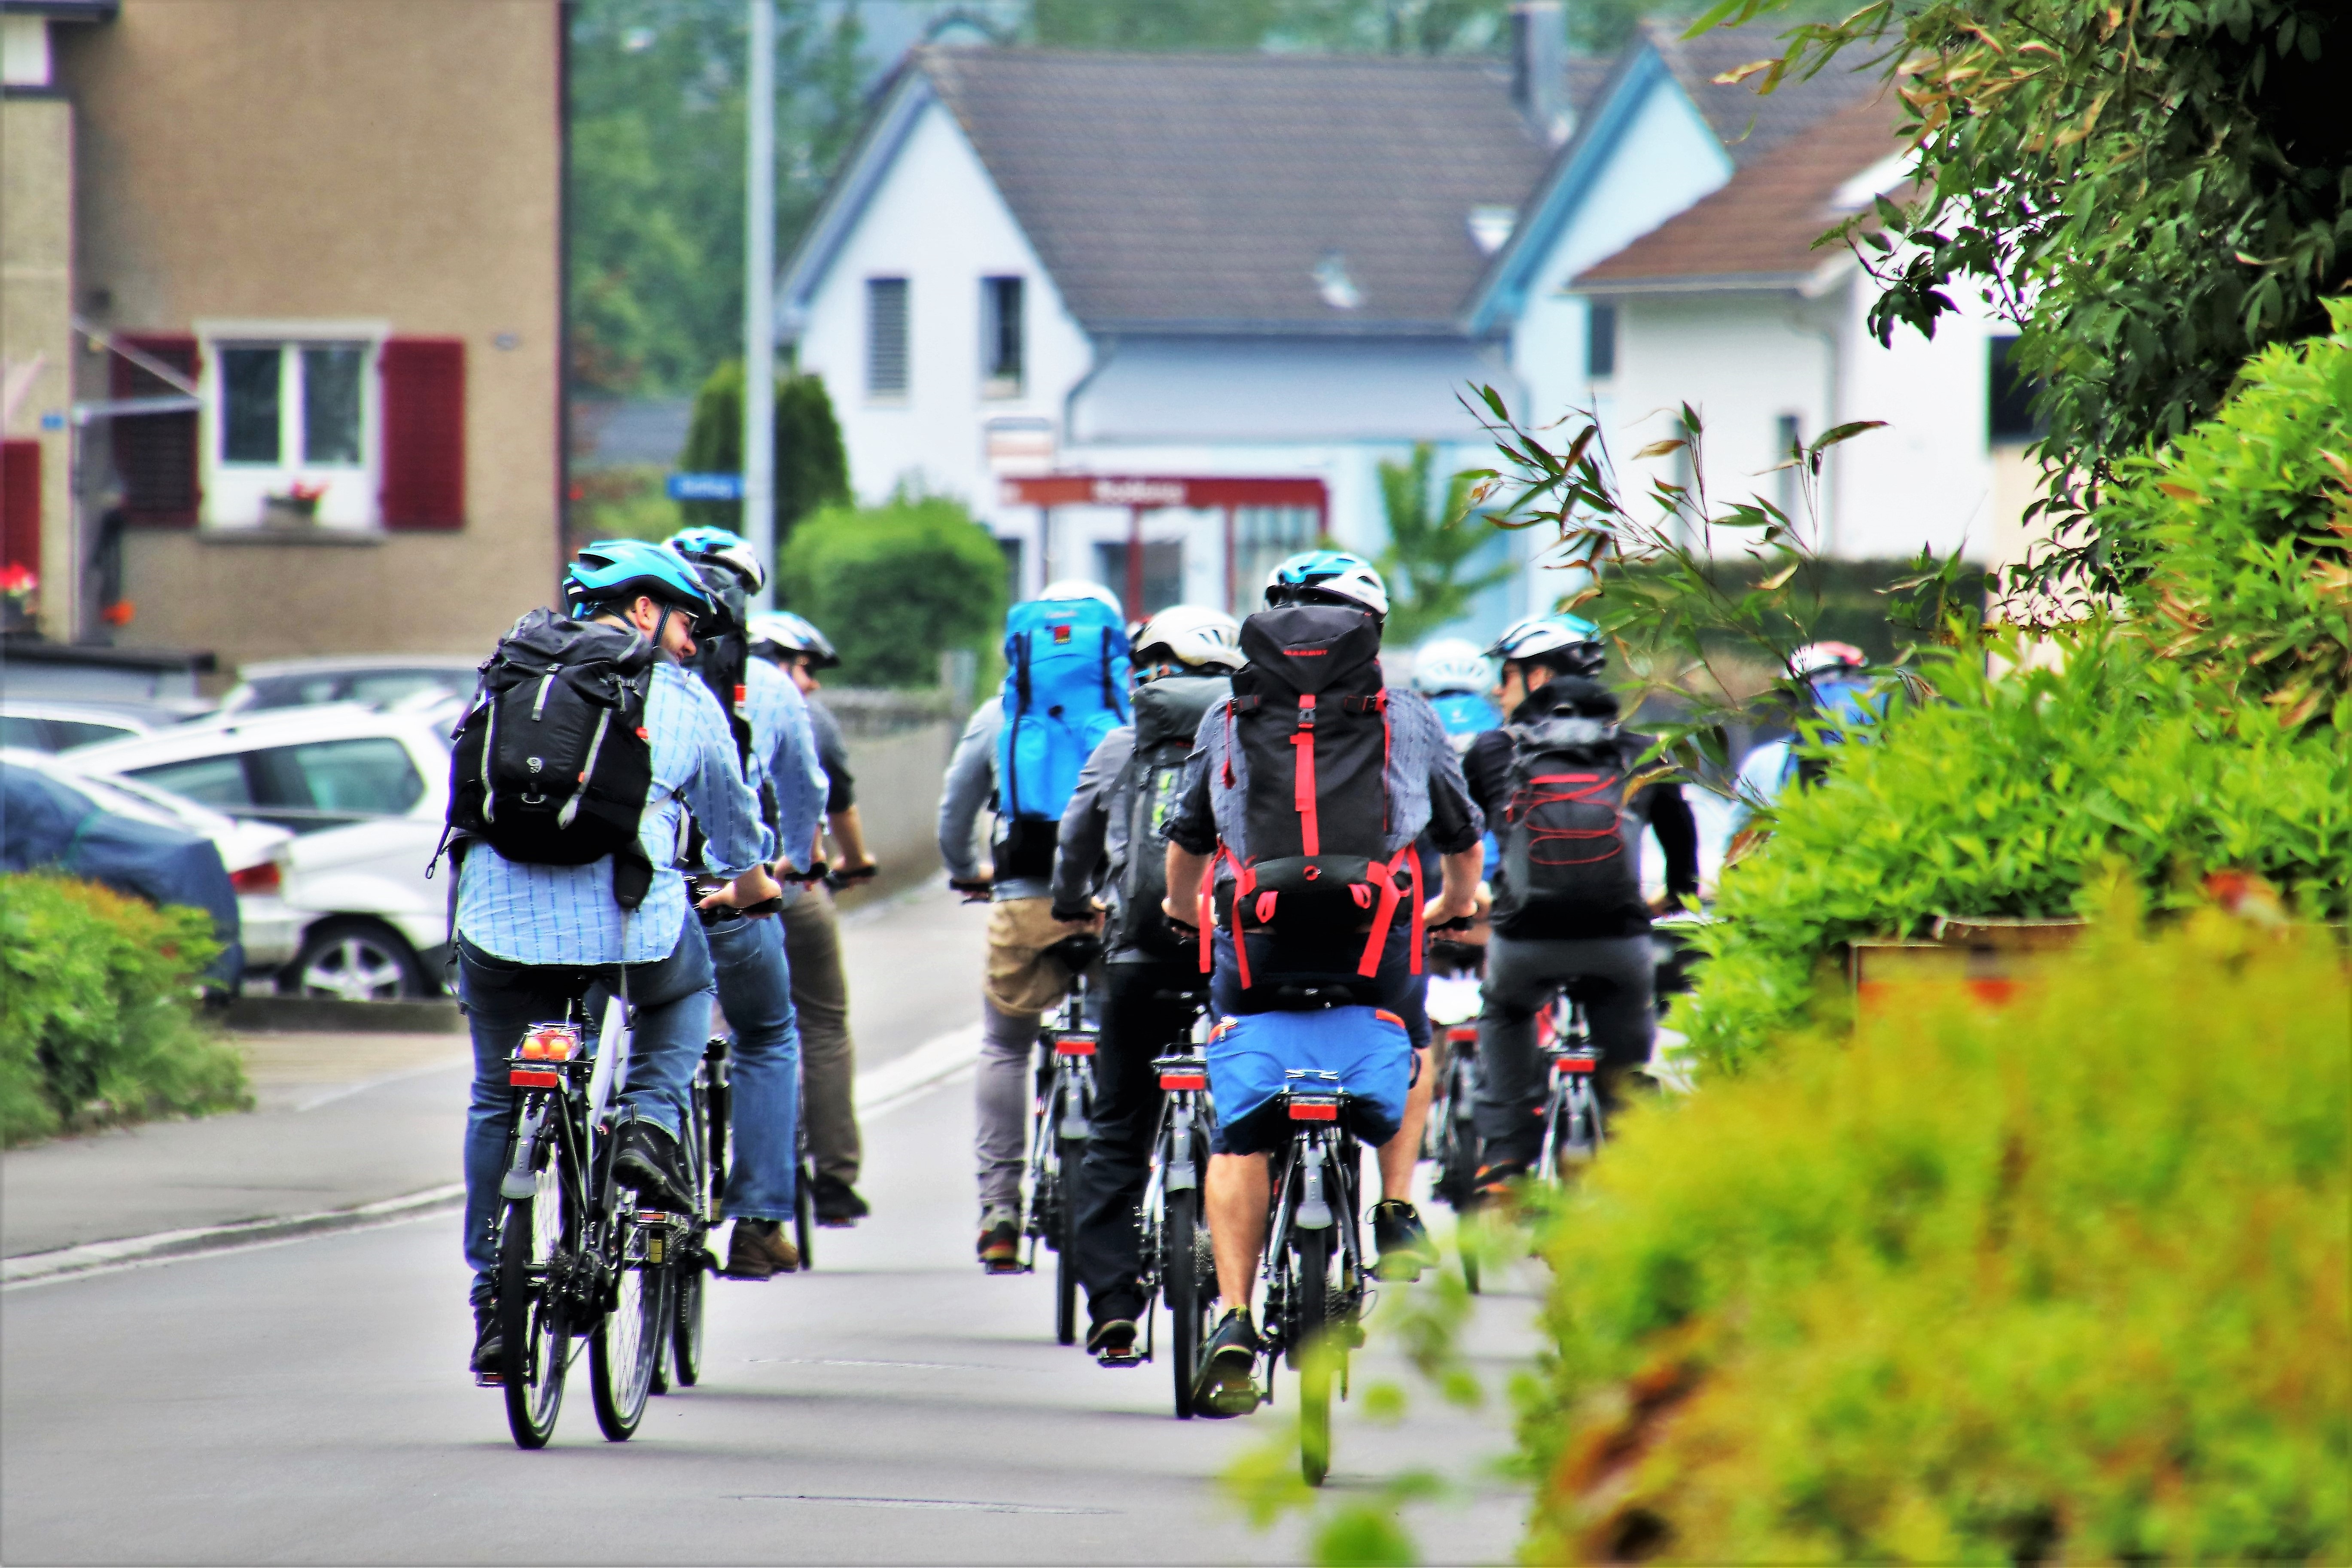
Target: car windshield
378, 688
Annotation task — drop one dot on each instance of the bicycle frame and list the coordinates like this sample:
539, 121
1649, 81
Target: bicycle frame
1064, 1097
1571, 1116
1316, 1201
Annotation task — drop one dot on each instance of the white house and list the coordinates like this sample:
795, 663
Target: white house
1231, 267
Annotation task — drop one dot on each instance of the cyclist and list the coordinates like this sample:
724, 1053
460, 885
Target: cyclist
1424, 791
1842, 700
1455, 678
1023, 981
1109, 840
525, 933
812, 935
1541, 943
780, 762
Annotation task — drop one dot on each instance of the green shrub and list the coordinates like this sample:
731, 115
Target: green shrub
2010, 796
2065, 1282
2249, 521
812, 469
97, 1010
630, 502
893, 586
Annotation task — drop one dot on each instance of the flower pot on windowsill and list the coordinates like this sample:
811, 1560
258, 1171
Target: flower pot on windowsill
290, 511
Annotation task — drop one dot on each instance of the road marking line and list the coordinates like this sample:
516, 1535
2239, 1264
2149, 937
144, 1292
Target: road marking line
332, 1095
884, 1089
955, 1504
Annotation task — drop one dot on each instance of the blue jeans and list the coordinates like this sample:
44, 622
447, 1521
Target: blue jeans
672, 1000
755, 992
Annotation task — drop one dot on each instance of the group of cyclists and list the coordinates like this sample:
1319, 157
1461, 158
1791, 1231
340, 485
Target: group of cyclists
1207, 818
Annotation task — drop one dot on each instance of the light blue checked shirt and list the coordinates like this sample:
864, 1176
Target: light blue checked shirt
565, 914
783, 748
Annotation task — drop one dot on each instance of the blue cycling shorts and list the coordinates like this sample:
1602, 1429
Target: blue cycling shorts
1251, 1055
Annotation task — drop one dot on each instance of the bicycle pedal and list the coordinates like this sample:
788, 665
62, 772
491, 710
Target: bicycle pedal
1004, 1266
489, 1380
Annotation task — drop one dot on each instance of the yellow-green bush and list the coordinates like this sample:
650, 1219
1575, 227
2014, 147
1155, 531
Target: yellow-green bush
2067, 1282
98, 995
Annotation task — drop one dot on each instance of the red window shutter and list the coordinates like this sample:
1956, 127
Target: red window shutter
20, 506
423, 433
155, 453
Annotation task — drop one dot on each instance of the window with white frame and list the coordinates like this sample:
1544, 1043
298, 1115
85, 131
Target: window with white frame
294, 430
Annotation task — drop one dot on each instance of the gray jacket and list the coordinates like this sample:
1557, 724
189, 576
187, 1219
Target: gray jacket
968, 789
1091, 851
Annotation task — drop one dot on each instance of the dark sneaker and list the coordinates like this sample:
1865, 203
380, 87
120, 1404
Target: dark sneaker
1228, 1383
1111, 1342
1000, 1241
647, 1164
758, 1249
488, 1362
1404, 1242
836, 1200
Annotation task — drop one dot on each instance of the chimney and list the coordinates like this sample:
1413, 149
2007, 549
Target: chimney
1539, 68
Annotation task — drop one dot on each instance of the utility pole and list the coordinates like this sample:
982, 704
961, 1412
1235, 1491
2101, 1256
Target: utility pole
760, 302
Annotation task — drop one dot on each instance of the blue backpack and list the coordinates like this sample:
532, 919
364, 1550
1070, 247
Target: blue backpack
1065, 688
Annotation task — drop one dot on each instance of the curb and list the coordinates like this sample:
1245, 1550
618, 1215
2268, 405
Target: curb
168, 1244
275, 1014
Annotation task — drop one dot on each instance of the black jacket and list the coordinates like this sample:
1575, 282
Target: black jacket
1487, 768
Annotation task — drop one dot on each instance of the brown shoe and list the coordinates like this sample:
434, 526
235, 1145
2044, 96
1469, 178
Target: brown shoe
761, 1247
1000, 1241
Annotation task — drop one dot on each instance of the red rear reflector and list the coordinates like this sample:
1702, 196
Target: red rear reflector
1184, 1081
1314, 1111
533, 1077
1462, 1035
265, 877
1577, 1064
1073, 1045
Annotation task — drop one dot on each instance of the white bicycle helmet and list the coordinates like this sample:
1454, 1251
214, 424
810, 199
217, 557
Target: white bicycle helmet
1451, 664
1191, 634
1332, 571
786, 633
719, 547
1826, 659
1078, 588
1567, 643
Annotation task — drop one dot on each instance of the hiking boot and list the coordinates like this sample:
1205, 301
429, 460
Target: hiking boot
1111, 1342
647, 1164
836, 1200
1000, 1241
1227, 1384
1404, 1242
758, 1249
488, 1362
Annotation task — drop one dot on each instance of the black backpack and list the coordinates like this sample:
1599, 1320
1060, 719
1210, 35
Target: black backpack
1562, 833
552, 764
1309, 715
1167, 716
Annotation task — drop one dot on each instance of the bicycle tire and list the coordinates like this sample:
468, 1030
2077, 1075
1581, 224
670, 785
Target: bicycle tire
1067, 1153
1310, 1309
804, 1215
1187, 1303
535, 1320
687, 1294
1457, 1165
625, 1347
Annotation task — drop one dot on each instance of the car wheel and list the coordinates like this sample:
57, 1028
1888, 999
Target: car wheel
354, 961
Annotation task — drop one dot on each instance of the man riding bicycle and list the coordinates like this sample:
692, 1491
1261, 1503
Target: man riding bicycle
1414, 784
780, 762
531, 936
812, 935
1109, 840
1567, 904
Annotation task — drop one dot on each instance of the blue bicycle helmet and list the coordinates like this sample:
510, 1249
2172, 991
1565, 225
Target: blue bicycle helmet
615, 571
1328, 574
1569, 644
719, 547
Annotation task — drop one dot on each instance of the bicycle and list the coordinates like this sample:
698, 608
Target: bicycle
1060, 1130
1314, 1267
1572, 1121
576, 1256
704, 1148
1179, 1265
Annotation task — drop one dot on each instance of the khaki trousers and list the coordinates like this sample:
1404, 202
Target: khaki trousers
828, 1055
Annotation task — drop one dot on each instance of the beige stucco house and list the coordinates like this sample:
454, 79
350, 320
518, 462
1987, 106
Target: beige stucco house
283, 319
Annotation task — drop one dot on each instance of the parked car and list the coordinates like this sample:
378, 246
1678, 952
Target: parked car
255, 854
47, 823
391, 681
365, 794
55, 726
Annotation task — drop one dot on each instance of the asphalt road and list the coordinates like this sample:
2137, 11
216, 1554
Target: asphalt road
306, 1401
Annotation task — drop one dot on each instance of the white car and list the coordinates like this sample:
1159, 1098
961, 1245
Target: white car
364, 793
256, 854
55, 726
390, 682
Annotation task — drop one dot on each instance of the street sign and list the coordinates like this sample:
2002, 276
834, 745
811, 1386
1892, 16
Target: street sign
1149, 493
705, 486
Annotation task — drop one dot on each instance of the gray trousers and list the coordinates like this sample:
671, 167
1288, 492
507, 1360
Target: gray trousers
828, 1055
1522, 977
999, 1096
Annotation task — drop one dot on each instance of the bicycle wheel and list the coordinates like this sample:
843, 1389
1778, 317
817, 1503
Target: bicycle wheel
804, 1215
1311, 1308
1187, 1295
541, 1235
1067, 1153
1457, 1158
686, 1321
626, 1344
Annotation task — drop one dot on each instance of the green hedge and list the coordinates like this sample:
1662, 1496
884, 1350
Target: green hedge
2066, 1282
97, 1010
894, 585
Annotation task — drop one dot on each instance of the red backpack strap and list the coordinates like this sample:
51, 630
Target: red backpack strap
1405, 860
1206, 910
1244, 883
1302, 790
